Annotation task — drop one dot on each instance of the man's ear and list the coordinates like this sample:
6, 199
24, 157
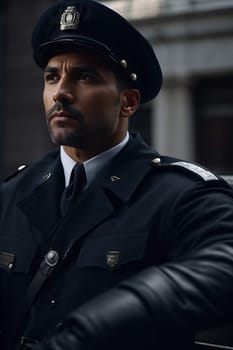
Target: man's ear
130, 102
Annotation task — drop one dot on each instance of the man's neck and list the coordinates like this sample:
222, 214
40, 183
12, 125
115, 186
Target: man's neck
84, 154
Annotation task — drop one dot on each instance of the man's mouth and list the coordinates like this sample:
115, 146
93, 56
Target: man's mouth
59, 112
62, 116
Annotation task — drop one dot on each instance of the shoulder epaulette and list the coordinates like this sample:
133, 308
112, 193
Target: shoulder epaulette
202, 172
19, 169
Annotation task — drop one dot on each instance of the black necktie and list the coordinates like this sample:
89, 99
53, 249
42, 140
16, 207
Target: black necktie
70, 193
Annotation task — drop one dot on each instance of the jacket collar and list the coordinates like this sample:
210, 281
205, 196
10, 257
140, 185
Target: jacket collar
120, 180
128, 169
41, 204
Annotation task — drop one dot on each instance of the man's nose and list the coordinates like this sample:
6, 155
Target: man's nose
63, 93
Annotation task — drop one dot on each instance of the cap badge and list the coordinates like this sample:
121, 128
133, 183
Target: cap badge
70, 18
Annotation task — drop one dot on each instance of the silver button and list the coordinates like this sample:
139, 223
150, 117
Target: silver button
52, 258
21, 167
133, 76
10, 266
124, 64
156, 160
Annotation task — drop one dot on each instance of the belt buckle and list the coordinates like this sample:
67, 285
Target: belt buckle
24, 342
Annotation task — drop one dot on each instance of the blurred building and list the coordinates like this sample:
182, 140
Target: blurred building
192, 117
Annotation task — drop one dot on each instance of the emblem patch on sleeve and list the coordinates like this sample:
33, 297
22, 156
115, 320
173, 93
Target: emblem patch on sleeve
205, 174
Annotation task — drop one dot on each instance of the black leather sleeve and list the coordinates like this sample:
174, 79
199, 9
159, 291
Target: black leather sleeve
192, 290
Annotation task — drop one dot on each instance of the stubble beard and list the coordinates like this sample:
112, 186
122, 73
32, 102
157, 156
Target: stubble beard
81, 137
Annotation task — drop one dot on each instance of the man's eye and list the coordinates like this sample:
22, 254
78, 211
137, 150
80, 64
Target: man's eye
88, 77
51, 78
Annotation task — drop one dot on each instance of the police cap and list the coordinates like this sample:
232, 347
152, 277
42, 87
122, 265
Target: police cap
87, 24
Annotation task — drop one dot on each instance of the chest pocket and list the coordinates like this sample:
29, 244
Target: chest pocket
16, 255
112, 252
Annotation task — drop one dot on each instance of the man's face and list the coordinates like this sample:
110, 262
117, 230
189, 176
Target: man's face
83, 102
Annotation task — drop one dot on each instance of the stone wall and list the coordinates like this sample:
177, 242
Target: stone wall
25, 135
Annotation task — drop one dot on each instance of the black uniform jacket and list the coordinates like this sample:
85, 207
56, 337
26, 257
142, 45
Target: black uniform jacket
146, 254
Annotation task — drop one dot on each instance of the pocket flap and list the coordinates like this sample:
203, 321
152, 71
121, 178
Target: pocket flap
112, 251
15, 254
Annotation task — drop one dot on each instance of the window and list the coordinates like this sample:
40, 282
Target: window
213, 99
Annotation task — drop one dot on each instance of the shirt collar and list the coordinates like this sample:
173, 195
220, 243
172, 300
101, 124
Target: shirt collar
93, 165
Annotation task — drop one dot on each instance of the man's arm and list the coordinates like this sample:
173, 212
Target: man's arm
189, 292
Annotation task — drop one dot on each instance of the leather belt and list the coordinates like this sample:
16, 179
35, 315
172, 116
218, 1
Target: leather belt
46, 268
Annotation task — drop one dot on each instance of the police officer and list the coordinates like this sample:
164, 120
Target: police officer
104, 243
